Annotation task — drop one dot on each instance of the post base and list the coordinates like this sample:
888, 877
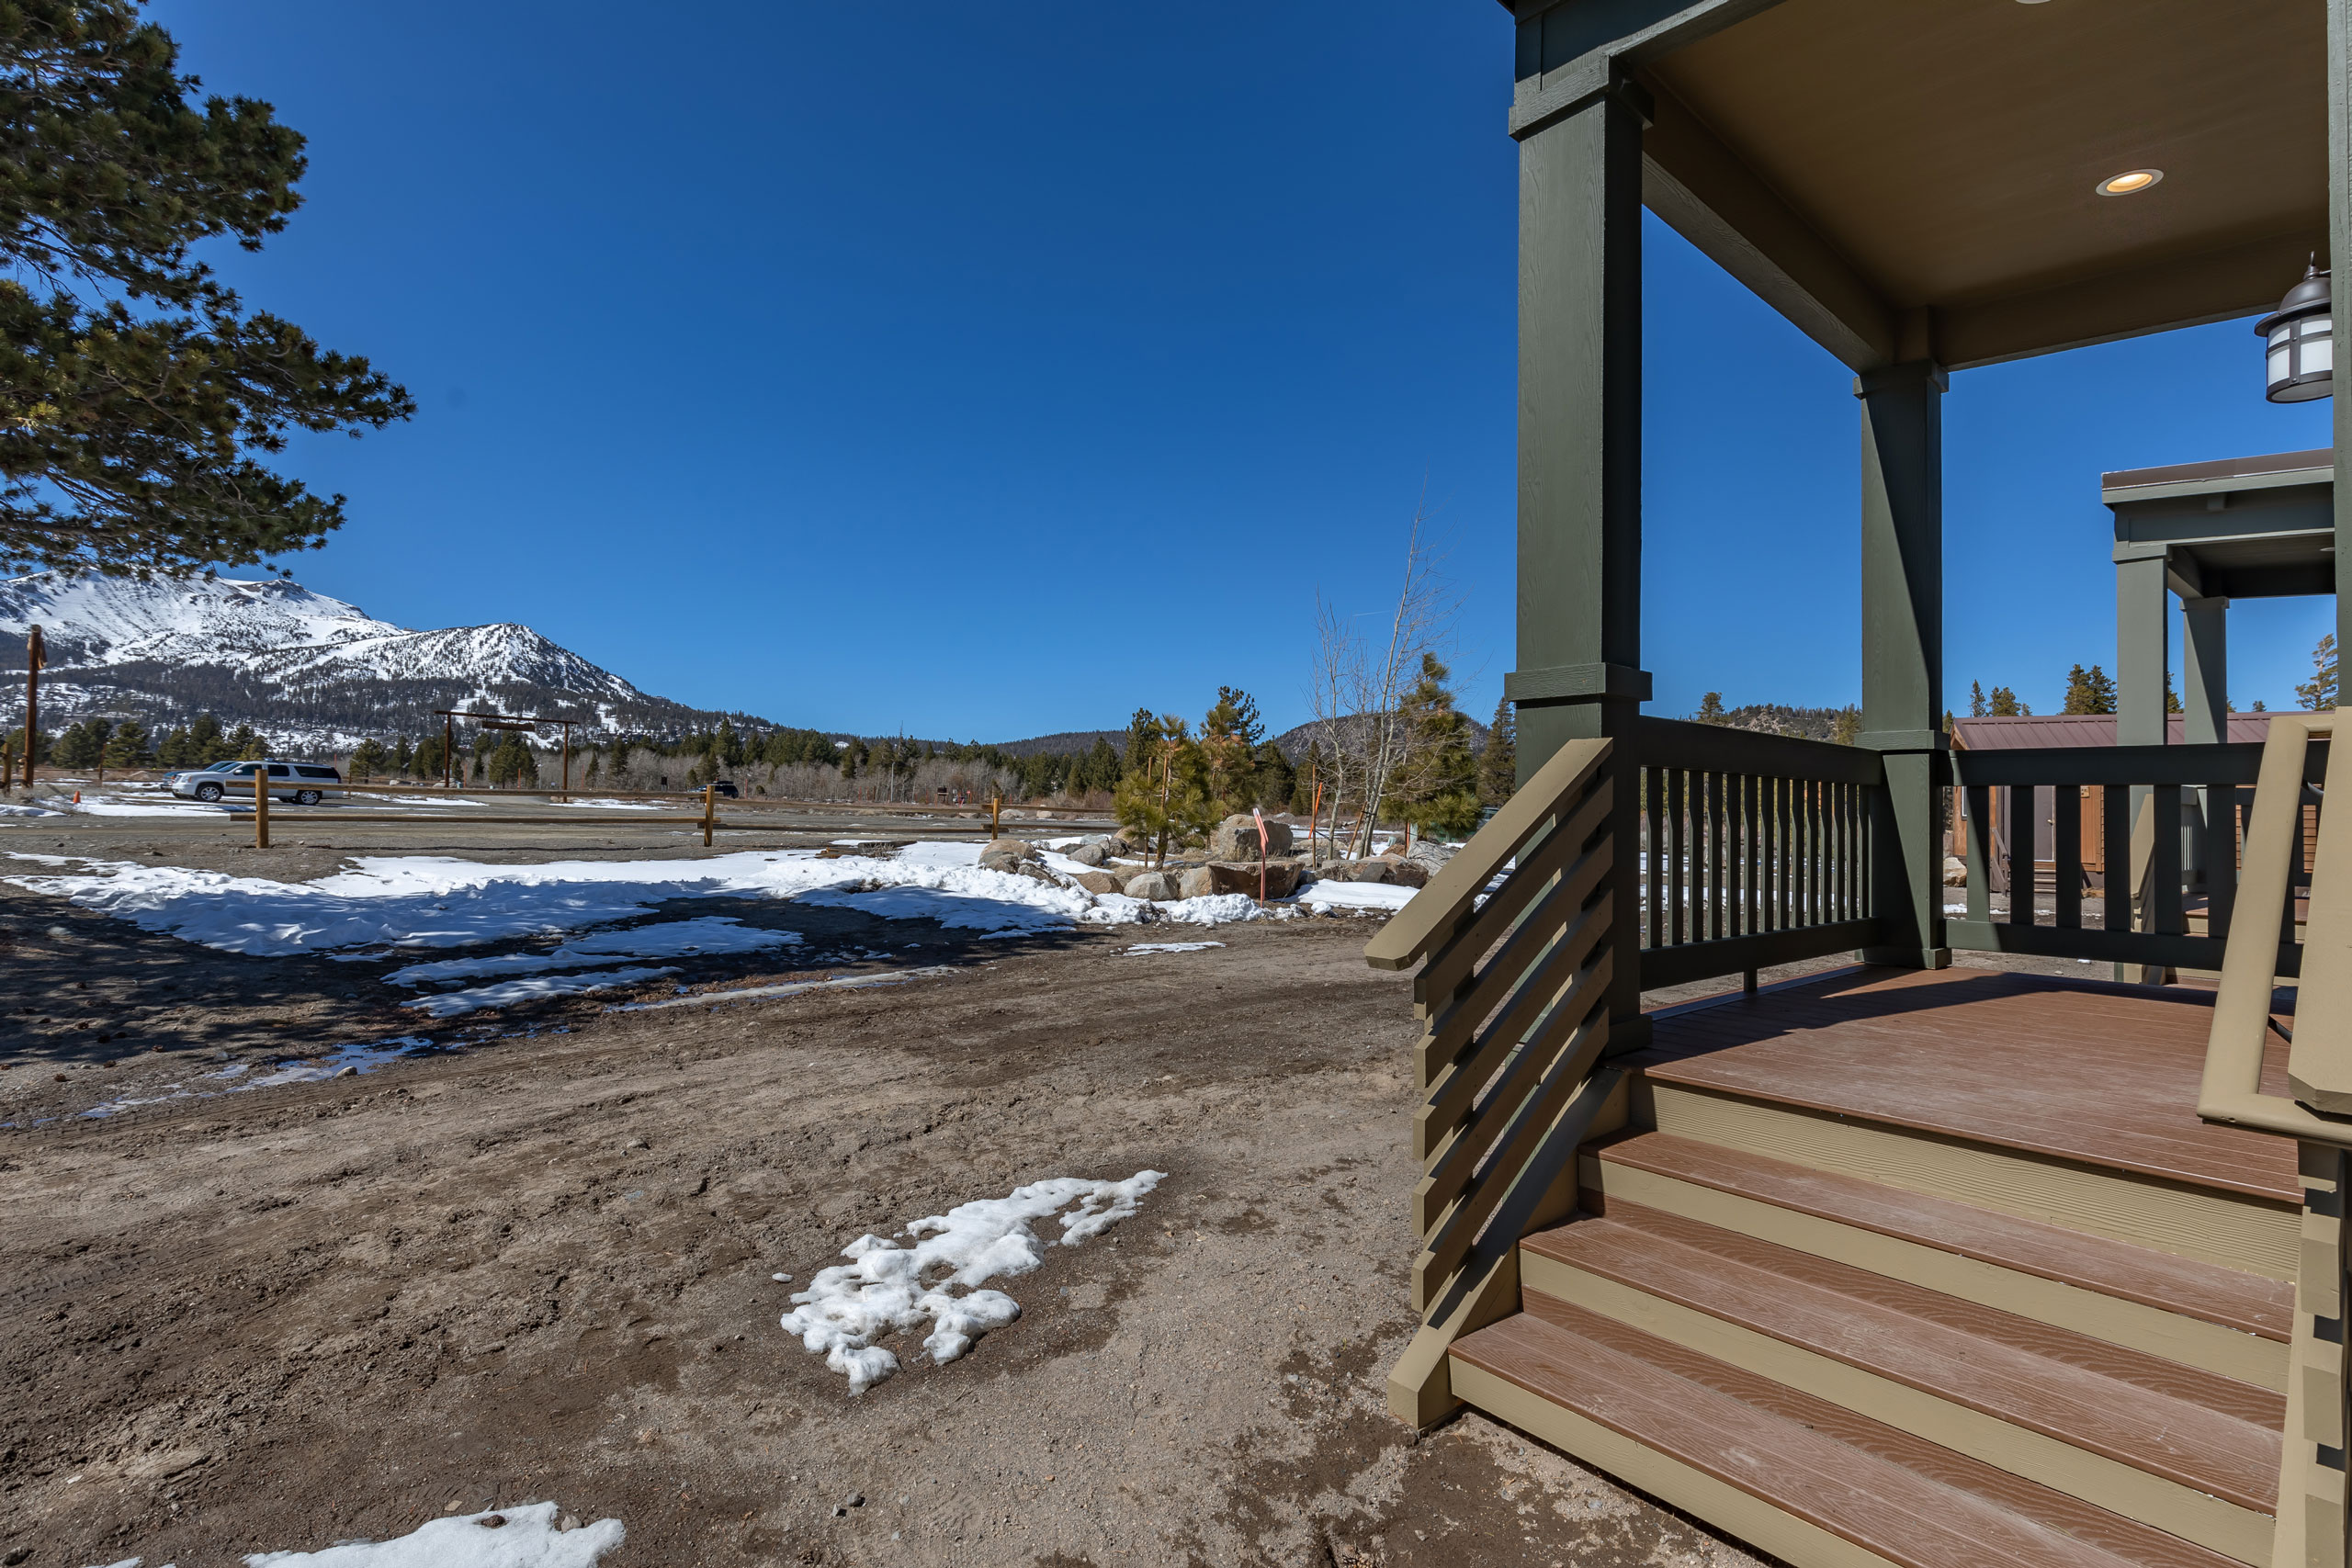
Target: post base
1906, 957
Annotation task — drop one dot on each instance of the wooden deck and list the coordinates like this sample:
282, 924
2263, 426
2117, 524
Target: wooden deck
1925, 1269
2083, 1069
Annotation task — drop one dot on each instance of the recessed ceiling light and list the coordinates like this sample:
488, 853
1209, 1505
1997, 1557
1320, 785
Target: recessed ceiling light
2127, 183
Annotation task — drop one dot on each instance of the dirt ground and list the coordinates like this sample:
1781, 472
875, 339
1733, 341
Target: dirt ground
536, 1263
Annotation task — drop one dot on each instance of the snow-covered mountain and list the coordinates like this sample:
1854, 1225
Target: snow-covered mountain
302, 668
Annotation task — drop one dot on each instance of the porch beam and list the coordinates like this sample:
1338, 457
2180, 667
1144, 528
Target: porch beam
1579, 674
1902, 653
1561, 42
2339, 250
1703, 192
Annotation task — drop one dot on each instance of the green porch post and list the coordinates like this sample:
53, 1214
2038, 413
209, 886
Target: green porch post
1902, 653
2205, 701
2142, 653
1580, 671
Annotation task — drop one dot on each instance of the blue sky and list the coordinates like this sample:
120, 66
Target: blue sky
985, 372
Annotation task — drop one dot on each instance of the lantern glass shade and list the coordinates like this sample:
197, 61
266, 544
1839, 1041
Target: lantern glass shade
2300, 343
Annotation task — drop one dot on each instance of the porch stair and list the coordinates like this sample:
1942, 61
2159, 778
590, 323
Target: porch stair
1876, 1290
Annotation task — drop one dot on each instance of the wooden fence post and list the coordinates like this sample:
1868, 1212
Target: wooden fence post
261, 806
996, 804
709, 811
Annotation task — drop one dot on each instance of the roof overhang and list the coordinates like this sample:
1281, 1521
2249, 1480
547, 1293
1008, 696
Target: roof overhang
2241, 528
1911, 179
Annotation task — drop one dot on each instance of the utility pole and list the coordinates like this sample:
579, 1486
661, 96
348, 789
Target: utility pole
36, 656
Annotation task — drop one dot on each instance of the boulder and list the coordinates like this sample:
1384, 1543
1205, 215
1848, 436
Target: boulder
1094, 851
1237, 876
1016, 849
1409, 874
1373, 869
1155, 884
1198, 882
1097, 881
1120, 844
1236, 839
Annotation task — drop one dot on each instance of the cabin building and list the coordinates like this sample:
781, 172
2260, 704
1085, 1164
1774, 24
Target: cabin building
1906, 1263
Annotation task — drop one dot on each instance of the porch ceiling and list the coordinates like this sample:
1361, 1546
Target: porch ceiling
1906, 177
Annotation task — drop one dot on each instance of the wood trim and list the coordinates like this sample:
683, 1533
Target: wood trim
1434, 912
2257, 1234
1912, 1500
1504, 916
1710, 748
1727, 1507
2210, 1521
1685, 962
2133, 1325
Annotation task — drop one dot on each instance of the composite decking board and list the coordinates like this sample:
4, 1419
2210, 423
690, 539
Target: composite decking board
2099, 1075
2094, 1534
2226, 1396
1886, 1492
2227, 1297
2174, 1437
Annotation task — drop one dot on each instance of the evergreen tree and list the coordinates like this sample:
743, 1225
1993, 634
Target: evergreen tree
173, 751
369, 758
83, 745
1847, 727
127, 747
2320, 691
2172, 699
1437, 788
1143, 734
1228, 733
429, 758
1711, 708
142, 400
2005, 704
404, 756
1498, 764
206, 744
1277, 779
2089, 691
1976, 698
1167, 797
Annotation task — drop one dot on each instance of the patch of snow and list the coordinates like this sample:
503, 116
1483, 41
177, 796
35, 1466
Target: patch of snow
527, 1536
883, 1289
506, 993
1365, 897
1170, 946
689, 998
7, 810
366, 1058
710, 935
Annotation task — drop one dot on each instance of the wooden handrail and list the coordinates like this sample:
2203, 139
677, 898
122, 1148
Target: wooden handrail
2232, 1089
1438, 909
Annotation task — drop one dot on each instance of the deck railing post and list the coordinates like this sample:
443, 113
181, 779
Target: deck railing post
1579, 674
1902, 657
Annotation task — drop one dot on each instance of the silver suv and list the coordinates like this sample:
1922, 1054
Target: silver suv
306, 782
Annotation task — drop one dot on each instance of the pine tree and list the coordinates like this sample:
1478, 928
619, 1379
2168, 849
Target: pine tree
1977, 699
1498, 764
2003, 704
127, 747
1711, 708
206, 744
83, 745
403, 755
1847, 727
1277, 779
1143, 734
173, 750
1228, 733
369, 758
2320, 691
2172, 699
145, 400
2089, 691
1167, 797
1437, 786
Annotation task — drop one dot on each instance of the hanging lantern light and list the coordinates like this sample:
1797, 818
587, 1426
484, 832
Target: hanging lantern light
2301, 337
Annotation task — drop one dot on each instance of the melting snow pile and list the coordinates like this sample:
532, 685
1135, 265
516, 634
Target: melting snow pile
713, 934
506, 993
887, 1287
526, 1537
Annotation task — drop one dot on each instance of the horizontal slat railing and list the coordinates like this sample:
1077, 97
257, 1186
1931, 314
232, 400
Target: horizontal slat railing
1757, 849
2139, 792
2313, 1515
1514, 939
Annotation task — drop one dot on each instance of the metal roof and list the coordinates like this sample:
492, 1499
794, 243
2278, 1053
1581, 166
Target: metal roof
2036, 730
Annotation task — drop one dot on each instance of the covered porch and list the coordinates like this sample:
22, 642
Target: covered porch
1912, 1264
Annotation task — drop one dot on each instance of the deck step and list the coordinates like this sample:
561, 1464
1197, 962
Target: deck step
1797, 1476
2176, 1445
2224, 1320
